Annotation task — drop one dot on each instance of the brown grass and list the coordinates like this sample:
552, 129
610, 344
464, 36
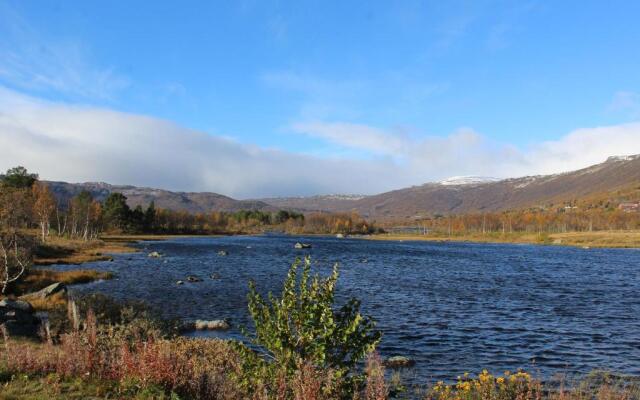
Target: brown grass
600, 239
56, 301
134, 238
619, 239
37, 279
69, 251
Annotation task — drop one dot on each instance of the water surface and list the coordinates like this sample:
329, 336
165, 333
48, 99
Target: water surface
453, 307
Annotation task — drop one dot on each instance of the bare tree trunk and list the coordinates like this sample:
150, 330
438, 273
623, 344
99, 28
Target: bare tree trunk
10, 261
58, 219
484, 223
86, 226
42, 230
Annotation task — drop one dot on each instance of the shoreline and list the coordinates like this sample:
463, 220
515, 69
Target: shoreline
600, 239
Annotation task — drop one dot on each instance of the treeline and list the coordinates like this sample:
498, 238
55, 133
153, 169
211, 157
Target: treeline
27, 203
570, 219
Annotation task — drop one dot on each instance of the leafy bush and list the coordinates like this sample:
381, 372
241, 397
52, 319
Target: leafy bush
302, 328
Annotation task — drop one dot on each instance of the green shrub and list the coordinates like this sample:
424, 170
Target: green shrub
303, 327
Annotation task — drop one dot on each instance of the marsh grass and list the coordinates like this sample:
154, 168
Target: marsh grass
37, 279
596, 239
60, 250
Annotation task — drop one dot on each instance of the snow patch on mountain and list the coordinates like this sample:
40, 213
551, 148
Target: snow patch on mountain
623, 158
467, 180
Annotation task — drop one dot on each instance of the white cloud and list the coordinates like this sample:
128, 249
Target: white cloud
73, 143
581, 148
466, 152
356, 136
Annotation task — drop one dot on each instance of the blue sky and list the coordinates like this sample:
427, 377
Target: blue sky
341, 81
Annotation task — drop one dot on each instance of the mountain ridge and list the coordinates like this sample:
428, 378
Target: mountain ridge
510, 193
456, 195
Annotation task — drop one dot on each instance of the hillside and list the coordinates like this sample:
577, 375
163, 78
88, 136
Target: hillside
453, 196
462, 196
314, 203
177, 201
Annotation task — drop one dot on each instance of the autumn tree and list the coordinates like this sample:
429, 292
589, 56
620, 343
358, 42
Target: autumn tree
43, 206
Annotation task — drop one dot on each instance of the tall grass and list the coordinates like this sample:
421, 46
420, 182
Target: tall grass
196, 368
210, 369
191, 368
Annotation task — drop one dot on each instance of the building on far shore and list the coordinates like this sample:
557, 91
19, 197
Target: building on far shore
629, 207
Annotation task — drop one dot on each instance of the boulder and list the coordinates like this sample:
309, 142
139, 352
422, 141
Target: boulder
193, 278
302, 245
339, 236
399, 362
223, 253
17, 318
155, 254
179, 283
20, 305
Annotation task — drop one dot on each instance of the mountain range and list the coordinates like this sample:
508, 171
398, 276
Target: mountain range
453, 196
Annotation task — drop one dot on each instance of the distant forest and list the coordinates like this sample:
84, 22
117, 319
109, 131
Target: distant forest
27, 203
617, 210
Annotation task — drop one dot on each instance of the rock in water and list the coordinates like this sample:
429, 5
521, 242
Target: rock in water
223, 253
179, 283
155, 254
193, 278
399, 362
302, 245
339, 236
203, 325
215, 325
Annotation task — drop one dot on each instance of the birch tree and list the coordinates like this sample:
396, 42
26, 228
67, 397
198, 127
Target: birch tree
15, 259
43, 206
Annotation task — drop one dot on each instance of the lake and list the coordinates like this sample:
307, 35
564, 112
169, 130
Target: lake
452, 307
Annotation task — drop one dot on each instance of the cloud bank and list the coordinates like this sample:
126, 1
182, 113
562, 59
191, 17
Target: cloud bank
77, 144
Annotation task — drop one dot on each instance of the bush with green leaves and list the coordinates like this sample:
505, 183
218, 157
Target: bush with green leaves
303, 327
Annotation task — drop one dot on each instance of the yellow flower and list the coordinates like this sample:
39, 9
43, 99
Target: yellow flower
500, 381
